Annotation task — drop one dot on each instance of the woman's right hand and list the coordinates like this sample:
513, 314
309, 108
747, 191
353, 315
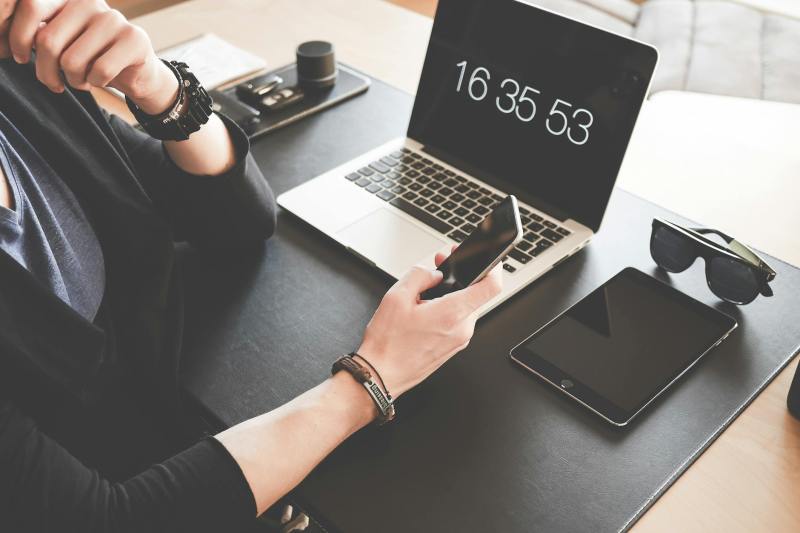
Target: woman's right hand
408, 339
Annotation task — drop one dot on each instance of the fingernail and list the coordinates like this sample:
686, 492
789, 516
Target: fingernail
18, 59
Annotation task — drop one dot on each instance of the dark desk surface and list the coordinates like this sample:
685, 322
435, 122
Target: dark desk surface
481, 446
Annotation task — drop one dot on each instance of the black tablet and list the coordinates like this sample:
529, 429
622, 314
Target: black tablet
624, 344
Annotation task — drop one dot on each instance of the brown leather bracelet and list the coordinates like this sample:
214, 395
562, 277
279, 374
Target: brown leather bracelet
383, 400
372, 369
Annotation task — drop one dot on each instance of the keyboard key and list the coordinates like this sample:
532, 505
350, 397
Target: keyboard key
389, 161
564, 231
438, 199
415, 155
519, 256
377, 178
444, 214
413, 174
552, 235
363, 182
353, 176
438, 166
374, 188
536, 217
445, 191
540, 247
456, 221
498, 197
451, 182
461, 179
530, 237
404, 181
385, 195
524, 211
432, 208
469, 204
450, 173
423, 179
439, 176
458, 236
550, 224
449, 205
410, 195
457, 197
481, 210
472, 217
405, 150
427, 193
401, 168
473, 194
525, 220
461, 211
388, 184
486, 200
397, 155
415, 187
417, 165
380, 167
462, 188
407, 159
394, 175
473, 185
428, 171
398, 189
427, 161
366, 171
422, 216
468, 228
486, 191
524, 246
421, 202
535, 226
435, 185
508, 268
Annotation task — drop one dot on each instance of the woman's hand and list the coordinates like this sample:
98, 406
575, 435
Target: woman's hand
91, 44
408, 339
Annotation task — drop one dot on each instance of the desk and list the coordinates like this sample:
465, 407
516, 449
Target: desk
749, 479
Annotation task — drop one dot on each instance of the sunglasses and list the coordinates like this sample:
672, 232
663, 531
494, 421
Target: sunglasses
735, 273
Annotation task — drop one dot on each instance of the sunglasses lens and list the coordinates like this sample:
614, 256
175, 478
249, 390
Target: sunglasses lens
672, 251
732, 280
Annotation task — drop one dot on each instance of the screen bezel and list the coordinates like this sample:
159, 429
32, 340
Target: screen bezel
529, 196
586, 395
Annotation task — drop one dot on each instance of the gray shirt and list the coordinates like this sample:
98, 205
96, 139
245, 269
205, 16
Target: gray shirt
47, 232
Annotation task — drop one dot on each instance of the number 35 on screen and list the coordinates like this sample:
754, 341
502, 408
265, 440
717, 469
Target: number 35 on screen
519, 101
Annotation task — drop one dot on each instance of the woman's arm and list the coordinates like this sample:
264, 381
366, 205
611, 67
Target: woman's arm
84, 43
406, 341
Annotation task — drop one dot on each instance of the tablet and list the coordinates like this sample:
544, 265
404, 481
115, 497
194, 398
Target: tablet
623, 345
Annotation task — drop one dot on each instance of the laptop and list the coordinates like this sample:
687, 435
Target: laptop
513, 99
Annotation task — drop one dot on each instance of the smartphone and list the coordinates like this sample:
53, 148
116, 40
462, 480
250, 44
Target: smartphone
481, 251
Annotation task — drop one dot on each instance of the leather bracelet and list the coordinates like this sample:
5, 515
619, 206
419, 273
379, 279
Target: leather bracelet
383, 400
373, 369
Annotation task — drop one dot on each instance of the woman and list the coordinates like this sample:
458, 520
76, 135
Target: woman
90, 301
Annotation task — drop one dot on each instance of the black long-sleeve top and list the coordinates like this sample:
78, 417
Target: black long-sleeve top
72, 390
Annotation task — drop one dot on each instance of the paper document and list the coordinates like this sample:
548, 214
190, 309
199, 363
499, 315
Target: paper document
213, 60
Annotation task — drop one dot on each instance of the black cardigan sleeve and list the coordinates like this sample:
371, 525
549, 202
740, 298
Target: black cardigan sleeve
43, 488
231, 210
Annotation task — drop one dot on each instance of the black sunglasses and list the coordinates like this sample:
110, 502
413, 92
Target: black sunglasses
734, 272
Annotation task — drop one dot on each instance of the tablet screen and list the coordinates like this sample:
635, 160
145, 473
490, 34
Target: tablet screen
619, 347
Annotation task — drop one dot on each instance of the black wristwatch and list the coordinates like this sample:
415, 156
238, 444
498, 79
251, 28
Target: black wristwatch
191, 109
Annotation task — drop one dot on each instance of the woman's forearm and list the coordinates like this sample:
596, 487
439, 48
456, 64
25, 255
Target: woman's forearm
278, 449
207, 152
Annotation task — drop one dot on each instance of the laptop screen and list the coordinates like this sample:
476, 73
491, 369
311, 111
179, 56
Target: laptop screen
534, 103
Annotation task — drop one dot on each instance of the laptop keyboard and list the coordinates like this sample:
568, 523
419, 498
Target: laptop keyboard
450, 203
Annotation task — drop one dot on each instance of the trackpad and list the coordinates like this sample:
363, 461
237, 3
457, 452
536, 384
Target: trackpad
389, 240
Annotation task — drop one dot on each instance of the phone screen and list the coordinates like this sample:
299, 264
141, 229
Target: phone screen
484, 247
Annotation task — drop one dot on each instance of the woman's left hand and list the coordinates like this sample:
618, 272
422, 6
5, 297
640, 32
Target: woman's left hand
91, 44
